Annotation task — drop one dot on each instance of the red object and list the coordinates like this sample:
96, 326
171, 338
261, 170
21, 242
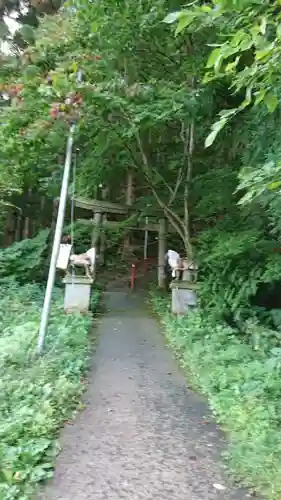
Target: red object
133, 276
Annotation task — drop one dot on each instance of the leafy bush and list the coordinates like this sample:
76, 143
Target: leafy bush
236, 261
36, 395
242, 383
82, 235
23, 261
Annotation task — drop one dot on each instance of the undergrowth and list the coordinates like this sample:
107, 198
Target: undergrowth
36, 395
23, 261
242, 382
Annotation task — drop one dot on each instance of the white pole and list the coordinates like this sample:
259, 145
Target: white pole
56, 244
145, 240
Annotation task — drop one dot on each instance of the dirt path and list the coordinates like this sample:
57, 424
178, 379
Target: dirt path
143, 434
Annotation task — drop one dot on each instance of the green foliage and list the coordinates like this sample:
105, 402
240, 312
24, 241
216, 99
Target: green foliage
136, 113
147, 101
242, 383
82, 233
235, 263
24, 261
37, 395
246, 53
245, 57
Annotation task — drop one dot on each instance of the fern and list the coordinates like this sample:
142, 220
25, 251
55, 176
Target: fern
23, 261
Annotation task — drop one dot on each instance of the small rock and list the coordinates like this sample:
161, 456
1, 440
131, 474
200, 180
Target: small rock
219, 487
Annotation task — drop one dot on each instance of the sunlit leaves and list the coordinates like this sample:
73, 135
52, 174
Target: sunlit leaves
246, 51
271, 102
225, 115
255, 181
173, 16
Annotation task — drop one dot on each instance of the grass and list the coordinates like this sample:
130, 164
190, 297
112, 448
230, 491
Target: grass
37, 396
241, 378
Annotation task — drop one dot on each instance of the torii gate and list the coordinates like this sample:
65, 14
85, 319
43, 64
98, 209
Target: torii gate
101, 208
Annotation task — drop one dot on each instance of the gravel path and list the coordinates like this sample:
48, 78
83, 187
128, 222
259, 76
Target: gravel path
143, 434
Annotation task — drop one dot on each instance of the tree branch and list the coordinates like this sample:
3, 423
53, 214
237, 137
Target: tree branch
163, 205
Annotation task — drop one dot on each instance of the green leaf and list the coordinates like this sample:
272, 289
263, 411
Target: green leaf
172, 17
261, 54
259, 97
31, 71
6, 475
213, 57
232, 65
27, 33
184, 21
210, 138
94, 27
278, 31
226, 113
263, 25
271, 102
4, 30
274, 185
216, 128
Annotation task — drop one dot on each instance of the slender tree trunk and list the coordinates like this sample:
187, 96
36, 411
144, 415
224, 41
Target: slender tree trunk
129, 201
25, 233
42, 212
96, 229
102, 242
26, 224
9, 228
105, 192
18, 227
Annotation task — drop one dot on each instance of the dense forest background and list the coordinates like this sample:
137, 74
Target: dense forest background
187, 100
184, 98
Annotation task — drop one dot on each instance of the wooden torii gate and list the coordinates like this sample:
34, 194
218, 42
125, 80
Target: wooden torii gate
102, 208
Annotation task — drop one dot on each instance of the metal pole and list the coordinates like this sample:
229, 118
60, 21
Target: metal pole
161, 253
56, 244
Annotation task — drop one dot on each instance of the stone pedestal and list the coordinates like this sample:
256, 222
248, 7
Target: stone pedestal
77, 295
184, 296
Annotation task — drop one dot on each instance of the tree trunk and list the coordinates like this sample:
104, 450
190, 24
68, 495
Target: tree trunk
25, 233
9, 231
96, 229
18, 228
104, 194
42, 212
102, 242
129, 201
